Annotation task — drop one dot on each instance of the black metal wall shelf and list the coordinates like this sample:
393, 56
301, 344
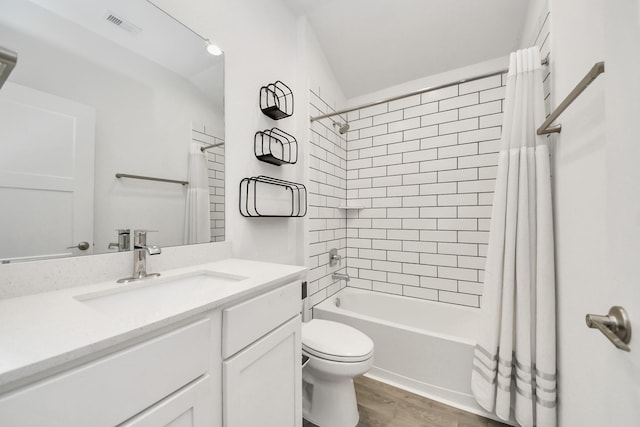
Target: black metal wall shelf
263, 196
276, 100
275, 146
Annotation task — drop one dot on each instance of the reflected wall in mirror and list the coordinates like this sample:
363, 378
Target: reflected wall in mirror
101, 88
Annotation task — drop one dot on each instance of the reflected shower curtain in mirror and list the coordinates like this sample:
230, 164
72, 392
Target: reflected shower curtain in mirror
197, 219
514, 364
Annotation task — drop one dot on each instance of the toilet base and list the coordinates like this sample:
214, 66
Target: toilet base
328, 393
330, 403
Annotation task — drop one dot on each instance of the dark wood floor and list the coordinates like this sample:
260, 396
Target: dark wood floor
382, 405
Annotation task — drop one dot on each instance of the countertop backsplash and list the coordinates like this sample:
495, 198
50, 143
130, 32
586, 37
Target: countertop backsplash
26, 278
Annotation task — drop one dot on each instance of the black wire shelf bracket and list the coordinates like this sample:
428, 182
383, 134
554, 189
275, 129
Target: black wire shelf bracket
263, 196
276, 100
276, 147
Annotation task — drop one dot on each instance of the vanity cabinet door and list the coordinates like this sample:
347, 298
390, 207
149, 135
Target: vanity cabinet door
246, 322
112, 389
262, 384
188, 407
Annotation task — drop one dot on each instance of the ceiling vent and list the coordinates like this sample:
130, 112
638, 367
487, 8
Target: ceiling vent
122, 23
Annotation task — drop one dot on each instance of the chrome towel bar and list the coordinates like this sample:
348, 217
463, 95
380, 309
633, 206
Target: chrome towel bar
151, 178
546, 127
8, 60
206, 147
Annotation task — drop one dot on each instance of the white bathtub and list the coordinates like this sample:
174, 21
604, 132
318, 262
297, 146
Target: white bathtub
421, 346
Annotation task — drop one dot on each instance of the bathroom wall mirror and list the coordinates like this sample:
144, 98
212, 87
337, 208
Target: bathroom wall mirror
101, 89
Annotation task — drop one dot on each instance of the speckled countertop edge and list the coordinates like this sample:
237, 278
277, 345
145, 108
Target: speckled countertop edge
41, 331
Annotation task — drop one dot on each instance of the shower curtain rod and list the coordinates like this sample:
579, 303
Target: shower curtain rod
545, 61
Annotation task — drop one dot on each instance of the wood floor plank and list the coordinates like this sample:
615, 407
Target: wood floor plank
382, 405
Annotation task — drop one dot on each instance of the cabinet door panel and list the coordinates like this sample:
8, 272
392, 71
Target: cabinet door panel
113, 389
262, 384
189, 407
266, 311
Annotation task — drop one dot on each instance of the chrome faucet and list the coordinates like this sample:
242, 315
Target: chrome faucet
340, 276
140, 251
123, 243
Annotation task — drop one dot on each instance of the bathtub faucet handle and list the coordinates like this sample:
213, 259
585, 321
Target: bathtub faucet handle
334, 258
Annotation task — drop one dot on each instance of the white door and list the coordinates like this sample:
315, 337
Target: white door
618, 376
46, 174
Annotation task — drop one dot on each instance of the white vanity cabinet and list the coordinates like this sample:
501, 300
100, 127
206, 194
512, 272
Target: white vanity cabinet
191, 406
236, 364
262, 348
115, 388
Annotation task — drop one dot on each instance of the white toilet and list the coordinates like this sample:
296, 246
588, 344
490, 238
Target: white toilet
337, 353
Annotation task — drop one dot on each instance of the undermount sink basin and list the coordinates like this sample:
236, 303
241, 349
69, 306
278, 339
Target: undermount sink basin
153, 293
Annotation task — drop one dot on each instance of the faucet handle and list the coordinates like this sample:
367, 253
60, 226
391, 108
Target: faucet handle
334, 258
140, 236
143, 232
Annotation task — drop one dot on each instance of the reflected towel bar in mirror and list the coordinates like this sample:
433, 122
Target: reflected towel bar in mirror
151, 178
206, 147
8, 60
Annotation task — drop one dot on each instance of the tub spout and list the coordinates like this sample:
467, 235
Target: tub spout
340, 276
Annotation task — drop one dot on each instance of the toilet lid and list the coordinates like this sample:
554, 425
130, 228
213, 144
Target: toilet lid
335, 341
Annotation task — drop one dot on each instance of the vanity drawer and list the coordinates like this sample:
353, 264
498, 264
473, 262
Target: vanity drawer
110, 390
248, 321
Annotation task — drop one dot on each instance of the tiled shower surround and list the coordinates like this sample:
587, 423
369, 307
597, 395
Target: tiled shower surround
327, 188
215, 167
424, 170
420, 175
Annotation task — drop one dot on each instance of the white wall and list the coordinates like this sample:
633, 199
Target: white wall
322, 80
260, 39
534, 22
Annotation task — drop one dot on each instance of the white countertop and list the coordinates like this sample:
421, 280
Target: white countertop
39, 332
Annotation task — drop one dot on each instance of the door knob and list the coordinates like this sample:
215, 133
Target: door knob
83, 246
615, 326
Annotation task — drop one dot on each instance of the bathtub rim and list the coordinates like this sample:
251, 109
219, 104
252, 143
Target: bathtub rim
329, 305
462, 401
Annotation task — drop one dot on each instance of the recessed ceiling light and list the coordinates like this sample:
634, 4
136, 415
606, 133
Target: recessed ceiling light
213, 49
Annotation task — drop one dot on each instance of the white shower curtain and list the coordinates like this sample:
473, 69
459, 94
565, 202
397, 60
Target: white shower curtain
197, 219
514, 365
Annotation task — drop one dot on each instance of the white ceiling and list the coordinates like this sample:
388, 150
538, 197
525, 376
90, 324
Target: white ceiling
375, 44
161, 38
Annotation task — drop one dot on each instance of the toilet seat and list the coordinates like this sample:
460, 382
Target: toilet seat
335, 341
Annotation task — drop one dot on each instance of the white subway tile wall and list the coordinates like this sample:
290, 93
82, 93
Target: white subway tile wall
543, 42
215, 166
327, 191
420, 169
424, 170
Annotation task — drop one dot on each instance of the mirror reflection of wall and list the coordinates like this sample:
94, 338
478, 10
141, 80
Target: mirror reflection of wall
103, 87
